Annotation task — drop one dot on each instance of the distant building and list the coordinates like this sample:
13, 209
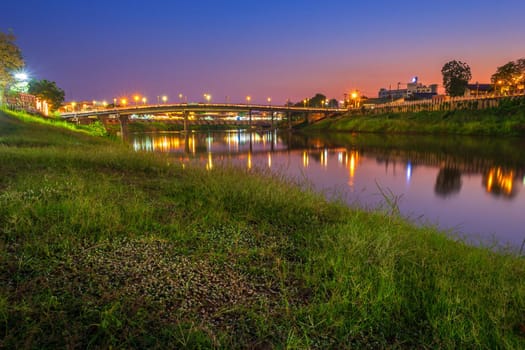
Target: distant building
414, 91
27, 102
479, 89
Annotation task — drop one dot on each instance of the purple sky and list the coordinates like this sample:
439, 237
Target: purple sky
280, 49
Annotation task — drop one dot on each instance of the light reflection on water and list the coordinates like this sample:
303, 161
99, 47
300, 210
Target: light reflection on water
471, 186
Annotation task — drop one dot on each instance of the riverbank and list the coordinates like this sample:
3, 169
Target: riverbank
508, 119
102, 246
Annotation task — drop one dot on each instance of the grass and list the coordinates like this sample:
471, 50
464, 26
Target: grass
508, 119
104, 247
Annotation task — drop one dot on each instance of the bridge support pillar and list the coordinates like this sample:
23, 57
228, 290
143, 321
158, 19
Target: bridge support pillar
185, 115
250, 118
123, 119
307, 117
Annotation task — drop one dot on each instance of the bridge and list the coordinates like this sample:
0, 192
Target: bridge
184, 110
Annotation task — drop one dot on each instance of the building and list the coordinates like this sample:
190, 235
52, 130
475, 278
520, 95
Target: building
478, 89
414, 91
27, 102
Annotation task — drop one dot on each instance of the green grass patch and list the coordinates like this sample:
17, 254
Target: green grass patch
94, 129
104, 247
508, 119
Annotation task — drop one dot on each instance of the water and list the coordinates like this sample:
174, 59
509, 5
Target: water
472, 187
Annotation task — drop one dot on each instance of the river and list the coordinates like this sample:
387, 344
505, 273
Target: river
470, 187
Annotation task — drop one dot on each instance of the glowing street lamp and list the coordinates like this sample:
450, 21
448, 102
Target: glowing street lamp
136, 99
248, 99
115, 103
164, 98
73, 105
355, 98
269, 100
207, 97
144, 100
21, 83
21, 76
105, 103
124, 102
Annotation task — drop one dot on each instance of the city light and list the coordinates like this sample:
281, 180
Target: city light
164, 98
21, 83
21, 76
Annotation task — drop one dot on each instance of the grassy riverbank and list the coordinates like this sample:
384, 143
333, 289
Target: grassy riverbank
104, 247
506, 120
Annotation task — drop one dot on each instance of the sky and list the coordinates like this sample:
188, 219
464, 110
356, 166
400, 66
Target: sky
287, 49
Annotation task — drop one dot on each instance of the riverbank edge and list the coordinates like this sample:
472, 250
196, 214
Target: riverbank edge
508, 119
337, 276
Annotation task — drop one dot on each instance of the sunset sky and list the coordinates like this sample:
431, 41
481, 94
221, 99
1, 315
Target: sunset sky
280, 49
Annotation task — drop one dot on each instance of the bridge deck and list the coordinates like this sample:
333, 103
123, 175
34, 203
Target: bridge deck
199, 107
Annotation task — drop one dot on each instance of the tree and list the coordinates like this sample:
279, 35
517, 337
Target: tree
10, 61
48, 91
456, 75
510, 76
318, 100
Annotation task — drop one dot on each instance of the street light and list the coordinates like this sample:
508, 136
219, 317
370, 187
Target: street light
136, 99
114, 103
73, 105
248, 99
269, 100
355, 98
144, 100
207, 97
22, 76
164, 98
124, 102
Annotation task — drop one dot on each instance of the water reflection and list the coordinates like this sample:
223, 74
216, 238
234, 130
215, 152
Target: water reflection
446, 180
500, 182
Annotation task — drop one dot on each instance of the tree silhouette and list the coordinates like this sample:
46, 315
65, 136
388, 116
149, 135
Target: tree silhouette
456, 75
